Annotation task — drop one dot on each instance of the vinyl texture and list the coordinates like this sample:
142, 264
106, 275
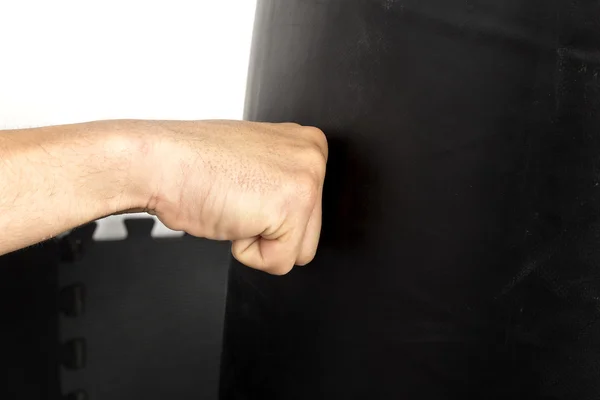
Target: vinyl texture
460, 247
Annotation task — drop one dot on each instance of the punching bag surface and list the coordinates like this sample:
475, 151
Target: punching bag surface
461, 240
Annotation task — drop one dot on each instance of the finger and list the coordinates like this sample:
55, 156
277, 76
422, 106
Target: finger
310, 242
274, 256
266, 255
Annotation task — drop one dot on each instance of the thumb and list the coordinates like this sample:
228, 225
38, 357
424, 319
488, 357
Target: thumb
274, 256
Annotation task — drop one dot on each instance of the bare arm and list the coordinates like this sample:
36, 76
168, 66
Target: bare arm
56, 178
258, 185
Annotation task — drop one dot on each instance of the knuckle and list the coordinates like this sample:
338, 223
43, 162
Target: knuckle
314, 161
281, 270
315, 132
319, 167
307, 187
306, 259
318, 137
274, 266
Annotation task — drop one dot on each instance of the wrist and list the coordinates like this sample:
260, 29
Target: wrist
127, 148
167, 155
124, 179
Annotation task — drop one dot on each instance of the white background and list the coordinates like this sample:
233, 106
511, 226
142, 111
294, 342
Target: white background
65, 61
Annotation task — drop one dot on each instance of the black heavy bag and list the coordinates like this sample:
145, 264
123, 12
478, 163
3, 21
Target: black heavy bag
461, 239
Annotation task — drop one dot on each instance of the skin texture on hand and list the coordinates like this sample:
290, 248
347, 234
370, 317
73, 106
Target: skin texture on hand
258, 185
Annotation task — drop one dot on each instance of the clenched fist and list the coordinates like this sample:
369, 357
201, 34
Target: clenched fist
258, 185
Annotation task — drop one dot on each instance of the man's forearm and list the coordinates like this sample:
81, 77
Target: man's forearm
55, 178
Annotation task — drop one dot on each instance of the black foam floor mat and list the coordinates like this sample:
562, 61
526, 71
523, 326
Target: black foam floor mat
143, 316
